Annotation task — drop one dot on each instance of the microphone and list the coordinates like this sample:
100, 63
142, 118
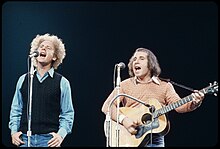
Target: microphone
34, 54
121, 65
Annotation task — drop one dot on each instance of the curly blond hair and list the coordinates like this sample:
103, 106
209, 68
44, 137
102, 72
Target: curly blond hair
59, 52
153, 64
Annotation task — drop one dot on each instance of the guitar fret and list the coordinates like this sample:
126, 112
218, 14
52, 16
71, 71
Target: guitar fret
189, 98
168, 107
162, 111
165, 109
182, 102
185, 100
176, 104
172, 106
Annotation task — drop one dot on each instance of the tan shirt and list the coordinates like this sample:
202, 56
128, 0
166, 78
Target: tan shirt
154, 89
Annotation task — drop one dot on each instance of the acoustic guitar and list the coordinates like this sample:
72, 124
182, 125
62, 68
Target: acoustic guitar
152, 123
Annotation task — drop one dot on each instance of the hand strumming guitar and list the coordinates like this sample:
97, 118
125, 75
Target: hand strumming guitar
130, 125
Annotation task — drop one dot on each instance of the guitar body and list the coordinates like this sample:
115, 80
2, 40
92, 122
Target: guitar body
144, 116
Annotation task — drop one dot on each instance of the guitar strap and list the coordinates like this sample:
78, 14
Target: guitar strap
179, 85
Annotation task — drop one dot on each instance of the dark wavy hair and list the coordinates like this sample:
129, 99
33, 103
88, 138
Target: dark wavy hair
153, 64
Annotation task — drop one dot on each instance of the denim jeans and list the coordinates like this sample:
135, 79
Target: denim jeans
36, 140
156, 142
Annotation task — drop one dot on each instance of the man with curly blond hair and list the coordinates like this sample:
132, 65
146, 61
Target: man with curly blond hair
52, 108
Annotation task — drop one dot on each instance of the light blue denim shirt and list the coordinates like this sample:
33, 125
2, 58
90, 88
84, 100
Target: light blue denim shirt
66, 116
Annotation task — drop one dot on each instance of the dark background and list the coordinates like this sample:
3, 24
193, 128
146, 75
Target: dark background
97, 35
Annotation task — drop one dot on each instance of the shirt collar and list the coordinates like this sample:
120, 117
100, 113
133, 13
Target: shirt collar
153, 79
51, 72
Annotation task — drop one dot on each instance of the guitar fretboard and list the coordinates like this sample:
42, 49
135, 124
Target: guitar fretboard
176, 104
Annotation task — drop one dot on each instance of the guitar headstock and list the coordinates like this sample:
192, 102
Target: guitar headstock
212, 88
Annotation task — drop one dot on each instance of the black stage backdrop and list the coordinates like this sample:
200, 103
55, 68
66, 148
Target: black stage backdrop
97, 35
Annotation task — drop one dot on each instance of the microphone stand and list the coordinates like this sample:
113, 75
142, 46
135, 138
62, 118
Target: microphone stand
118, 80
108, 116
30, 102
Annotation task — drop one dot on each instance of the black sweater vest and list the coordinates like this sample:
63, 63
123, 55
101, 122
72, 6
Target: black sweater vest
45, 105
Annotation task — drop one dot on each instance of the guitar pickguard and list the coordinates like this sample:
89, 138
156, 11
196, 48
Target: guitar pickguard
142, 129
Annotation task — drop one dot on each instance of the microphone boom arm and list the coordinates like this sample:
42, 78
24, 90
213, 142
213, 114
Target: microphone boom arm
110, 104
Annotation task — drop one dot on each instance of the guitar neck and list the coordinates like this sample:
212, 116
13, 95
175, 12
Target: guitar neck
176, 104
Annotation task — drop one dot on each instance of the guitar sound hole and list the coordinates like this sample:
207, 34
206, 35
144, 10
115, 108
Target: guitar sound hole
146, 118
